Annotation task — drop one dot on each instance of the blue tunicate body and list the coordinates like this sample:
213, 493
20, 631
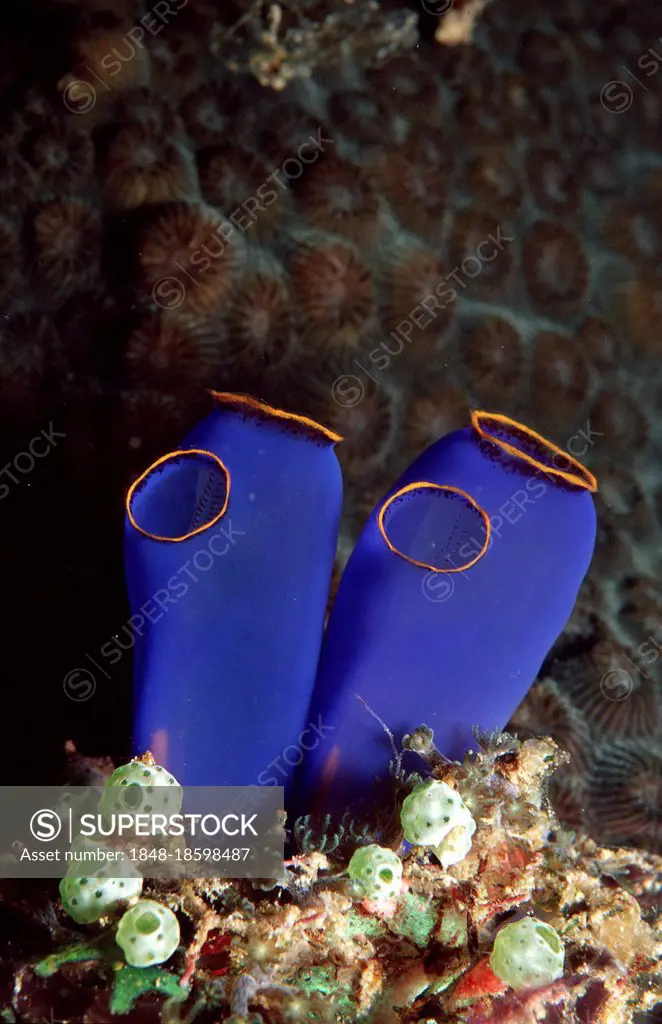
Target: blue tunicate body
451, 649
224, 674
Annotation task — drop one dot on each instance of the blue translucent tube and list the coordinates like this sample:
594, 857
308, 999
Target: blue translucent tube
229, 548
462, 580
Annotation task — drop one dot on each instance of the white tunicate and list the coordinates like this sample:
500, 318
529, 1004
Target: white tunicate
148, 934
91, 890
376, 871
527, 954
435, 815
456, 845
137, 788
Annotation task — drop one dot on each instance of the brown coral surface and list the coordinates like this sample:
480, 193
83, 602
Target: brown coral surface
262, 193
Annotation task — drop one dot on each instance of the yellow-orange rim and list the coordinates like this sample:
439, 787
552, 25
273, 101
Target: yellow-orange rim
579, 477
422, 485
229, 398
160, 462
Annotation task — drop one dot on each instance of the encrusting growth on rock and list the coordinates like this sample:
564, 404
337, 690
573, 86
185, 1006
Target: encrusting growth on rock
527, 921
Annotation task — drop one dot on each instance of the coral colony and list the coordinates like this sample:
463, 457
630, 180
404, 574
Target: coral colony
451, 893
236, 200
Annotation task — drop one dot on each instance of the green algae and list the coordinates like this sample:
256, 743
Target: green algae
452, 929
362, 924
131, 983
321, 981
416, 919
81, 951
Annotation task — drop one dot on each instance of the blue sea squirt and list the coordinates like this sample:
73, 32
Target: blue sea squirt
229, 551
461, 581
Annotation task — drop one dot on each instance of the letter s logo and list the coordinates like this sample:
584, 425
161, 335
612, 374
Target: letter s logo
45, 825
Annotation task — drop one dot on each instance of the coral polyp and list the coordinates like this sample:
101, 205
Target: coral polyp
477, 107
599, 342
186, 260
223, 174
333, 288
636, 304
407, 83
296, 127
335, 195
620, 417
434, 413
366, 413
494, 177
635, 231
62, 157
542, 55
527, 110
260, 321
145, 166
416, 297
554, 185
496, 360
177, 353
625, 786
363, 118
481, 253
109, 55
141, 419
68, 241
415, 190
206, 117
555, 267
561, 377
244, 188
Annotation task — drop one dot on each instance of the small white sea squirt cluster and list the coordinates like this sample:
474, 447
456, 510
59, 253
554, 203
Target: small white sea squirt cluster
90, 891
527, 954
137, 788
435, 815
376, 872
148, 934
